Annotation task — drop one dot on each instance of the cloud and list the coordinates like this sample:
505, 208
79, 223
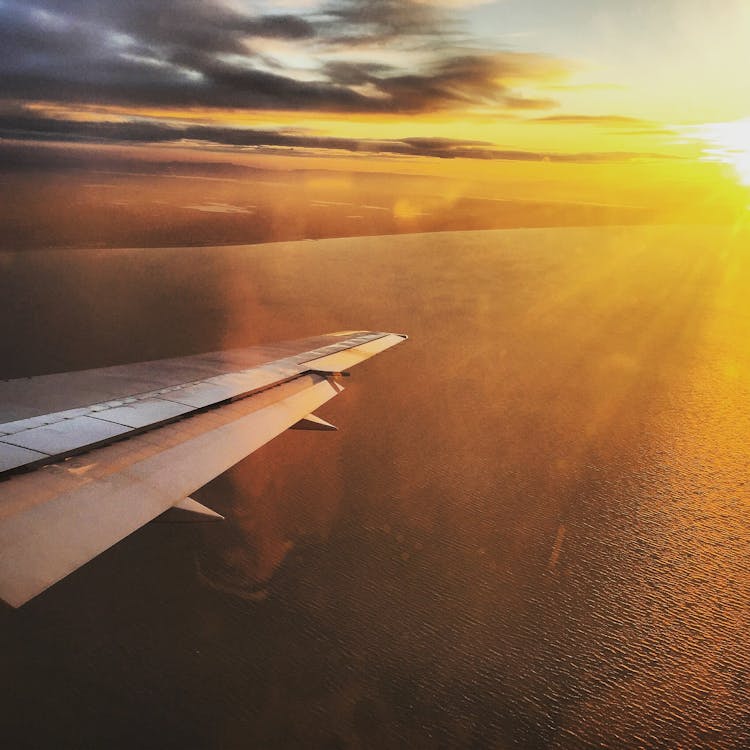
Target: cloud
455, 3
617, 124
202, 54
28, 127
615, 121
378, 21
467, 80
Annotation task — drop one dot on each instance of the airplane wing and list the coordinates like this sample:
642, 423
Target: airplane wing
88, 457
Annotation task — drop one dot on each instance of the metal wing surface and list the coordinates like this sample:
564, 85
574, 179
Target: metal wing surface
88, 457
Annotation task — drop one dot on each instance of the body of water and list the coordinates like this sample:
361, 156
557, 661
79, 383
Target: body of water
531, 530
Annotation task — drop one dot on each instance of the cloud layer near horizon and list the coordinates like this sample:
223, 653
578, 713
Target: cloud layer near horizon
22, 127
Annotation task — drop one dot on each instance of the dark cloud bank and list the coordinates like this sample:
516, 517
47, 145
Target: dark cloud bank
201, 53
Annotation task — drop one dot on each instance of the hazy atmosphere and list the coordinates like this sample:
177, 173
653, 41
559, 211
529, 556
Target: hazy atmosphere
531, 529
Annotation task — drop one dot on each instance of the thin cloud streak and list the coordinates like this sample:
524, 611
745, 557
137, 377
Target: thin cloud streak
22, 127
601, 120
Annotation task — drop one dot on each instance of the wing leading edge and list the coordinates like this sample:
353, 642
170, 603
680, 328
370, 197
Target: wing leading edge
84, 488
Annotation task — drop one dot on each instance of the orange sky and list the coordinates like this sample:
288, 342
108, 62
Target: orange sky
607, 100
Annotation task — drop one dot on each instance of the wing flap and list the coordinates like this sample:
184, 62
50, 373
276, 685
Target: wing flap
13, 456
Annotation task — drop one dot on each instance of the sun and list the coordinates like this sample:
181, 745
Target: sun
728, 143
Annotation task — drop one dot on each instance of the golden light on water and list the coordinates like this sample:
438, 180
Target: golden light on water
728, 143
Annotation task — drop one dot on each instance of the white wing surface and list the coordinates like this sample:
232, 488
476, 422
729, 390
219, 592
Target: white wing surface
87, 458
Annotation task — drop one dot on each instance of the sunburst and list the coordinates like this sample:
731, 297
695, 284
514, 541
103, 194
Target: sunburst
727, 143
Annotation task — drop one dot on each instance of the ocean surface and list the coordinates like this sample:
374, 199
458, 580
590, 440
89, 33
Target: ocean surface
531, 531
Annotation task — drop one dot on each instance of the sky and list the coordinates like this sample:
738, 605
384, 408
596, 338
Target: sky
430, 86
